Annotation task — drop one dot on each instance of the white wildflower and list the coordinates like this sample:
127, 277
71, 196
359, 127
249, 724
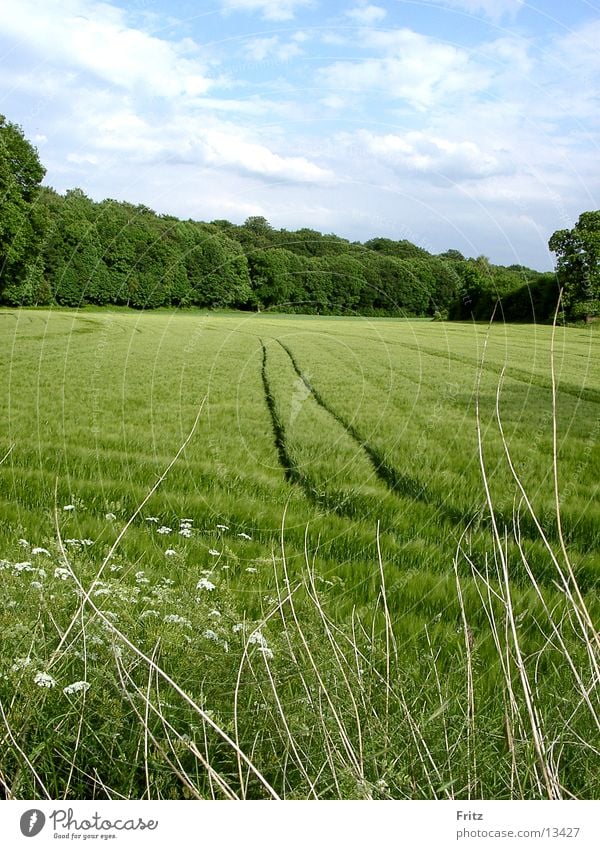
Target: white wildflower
185, 532
23, 543
174, 619
38, 550
110, 517
211, 635
36, 585
25, 566
267, 652
115, 568
42, 679
164, 530
205, 584
223, 527
251, 569
170, 552
87, 541
215, 614
62, 573
152, 519
238, 627
186, 521
149, 612
103, 591
141, 578
76, 687
69, 507
244, 536
257, 639
214, 553
20, 663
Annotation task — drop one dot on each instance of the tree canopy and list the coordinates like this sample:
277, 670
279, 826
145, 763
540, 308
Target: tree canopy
20, 227
70, 250
578, 265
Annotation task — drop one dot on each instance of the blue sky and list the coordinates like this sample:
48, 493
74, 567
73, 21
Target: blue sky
470, 124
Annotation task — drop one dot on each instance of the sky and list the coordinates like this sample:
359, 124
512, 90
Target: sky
466, 124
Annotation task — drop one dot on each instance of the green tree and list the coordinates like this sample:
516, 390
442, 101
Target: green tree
578, 265
20, 176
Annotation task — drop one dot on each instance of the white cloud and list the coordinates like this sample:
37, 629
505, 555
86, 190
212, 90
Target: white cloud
435, 157
186, 139
409, 66
493, 9
260, 49
271, 10
94, 37
367, 15
225, 149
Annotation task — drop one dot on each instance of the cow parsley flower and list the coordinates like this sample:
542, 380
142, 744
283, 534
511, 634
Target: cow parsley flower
257, 639
76, 687
62, 573
244, 536
38, 550
175, 619
170, 552
214, 553
110, 517
23, 543
20, 663
152, 519
267, 652
69, 507
164, 530
205, 584
251, 569
209, 634
223, 527
42, 679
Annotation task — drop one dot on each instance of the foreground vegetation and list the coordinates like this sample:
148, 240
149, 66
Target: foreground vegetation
258, 556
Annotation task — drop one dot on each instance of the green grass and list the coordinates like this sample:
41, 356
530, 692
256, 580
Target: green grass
401, 647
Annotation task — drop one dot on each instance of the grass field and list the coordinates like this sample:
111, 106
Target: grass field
351, 582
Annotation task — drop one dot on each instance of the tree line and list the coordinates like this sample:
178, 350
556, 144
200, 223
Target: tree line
69, 250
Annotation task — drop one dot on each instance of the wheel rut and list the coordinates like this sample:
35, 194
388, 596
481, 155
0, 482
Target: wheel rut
394, 480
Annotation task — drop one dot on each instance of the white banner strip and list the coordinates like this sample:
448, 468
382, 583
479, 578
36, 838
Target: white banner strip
272, 825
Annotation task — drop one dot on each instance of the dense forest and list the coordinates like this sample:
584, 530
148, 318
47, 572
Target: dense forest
69, 250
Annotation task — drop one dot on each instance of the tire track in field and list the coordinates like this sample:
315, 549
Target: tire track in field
396, 481
404, 485
343, 508
290, 470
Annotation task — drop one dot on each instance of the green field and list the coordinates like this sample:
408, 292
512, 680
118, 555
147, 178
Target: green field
390, 608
